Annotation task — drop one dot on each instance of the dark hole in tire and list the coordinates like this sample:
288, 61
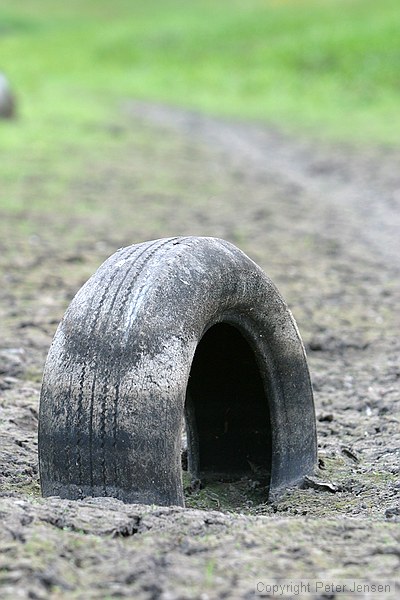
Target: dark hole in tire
227, 412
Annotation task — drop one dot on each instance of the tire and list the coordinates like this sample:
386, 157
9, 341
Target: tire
165, 329
7, 100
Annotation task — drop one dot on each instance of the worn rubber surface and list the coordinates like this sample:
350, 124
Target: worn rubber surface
120, 366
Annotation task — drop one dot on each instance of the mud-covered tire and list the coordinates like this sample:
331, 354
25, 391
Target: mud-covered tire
124, 359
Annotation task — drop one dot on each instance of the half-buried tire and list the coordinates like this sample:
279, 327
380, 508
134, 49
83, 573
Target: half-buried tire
165, 329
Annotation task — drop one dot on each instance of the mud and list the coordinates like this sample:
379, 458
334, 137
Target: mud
323, 222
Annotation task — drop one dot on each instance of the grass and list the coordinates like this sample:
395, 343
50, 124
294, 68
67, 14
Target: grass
329, 69
244, 495
326, 68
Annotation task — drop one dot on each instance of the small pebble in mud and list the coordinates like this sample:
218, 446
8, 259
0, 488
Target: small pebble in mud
393, 513
350, 454
325, 418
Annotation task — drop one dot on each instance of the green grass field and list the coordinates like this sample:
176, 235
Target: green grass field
330, 68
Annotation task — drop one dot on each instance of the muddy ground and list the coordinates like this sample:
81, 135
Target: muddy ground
323, 220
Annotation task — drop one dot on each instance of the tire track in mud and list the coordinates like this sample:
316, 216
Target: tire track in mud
356, 192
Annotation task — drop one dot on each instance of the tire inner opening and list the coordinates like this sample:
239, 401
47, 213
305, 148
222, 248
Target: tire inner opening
227, 413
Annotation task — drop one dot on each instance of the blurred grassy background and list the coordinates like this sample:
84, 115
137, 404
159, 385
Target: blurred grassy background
330, 68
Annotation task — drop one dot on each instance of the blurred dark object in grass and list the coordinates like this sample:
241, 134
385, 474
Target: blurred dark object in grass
7, 99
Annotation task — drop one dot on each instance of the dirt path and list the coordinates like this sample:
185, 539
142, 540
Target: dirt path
361, 191
323, 221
